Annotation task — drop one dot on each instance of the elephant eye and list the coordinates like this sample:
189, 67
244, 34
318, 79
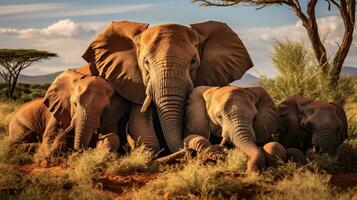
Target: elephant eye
146, 62
193, 61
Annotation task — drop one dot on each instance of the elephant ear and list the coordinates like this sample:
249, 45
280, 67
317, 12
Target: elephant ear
197, 121
112, 55
267, 120
223, 55
290, 111
342, 116
291, 134
58, 95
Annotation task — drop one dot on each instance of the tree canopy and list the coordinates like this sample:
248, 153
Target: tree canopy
347, 10
13, 61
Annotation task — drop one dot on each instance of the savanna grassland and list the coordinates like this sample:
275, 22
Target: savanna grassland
99, 174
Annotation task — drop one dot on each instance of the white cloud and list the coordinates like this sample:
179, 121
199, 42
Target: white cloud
29, 8
61, 29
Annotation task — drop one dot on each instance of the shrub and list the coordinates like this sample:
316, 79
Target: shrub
24, 92
298, 73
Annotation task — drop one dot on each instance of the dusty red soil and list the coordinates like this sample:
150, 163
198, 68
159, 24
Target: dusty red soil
122, 185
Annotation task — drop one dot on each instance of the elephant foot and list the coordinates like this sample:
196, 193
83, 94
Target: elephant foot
274, 153
109, 141
296, 155
345, 155
256, 160
212, 154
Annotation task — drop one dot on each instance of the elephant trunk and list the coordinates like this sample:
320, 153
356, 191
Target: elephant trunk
242, 135
170, 94
324, 141
85, 125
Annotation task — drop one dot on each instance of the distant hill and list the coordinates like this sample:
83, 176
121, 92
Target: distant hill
246, 80
349, 71
41, 79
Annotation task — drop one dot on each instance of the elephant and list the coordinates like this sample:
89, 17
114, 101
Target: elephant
74, 102
245, 116
313, 127
160, 65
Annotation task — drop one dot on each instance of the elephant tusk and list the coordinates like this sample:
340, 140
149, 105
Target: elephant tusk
146, 104
171, 157
224, 140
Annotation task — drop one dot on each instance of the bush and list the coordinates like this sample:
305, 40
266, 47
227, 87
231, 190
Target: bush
299, 73
24, 92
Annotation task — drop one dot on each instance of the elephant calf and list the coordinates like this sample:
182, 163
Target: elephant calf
73, 103
245, 116
311, 126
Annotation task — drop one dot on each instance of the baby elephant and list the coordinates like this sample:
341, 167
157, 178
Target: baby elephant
311, 127
73, 103
245, 116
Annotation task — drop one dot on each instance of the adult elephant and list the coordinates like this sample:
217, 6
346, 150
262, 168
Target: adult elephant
245, 116
164, 63
313, 127
74, 102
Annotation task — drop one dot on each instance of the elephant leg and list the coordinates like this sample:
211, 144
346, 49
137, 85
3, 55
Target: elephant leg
26, 147
21, 134
141, 129
54, 139
345, 155
296, 155
274, 152
23, 138
109, 141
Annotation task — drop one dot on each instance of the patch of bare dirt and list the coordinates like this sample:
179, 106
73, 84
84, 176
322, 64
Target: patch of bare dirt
120, 184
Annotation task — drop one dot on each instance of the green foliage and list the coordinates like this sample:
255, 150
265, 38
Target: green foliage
24, 92
298, 73
8, 54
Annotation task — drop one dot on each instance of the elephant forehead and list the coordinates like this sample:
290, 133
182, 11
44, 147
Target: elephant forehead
95, 83
173, 31
226, 93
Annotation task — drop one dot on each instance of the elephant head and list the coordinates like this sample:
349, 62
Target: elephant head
77, 101
162, 64
246, 116
312, 123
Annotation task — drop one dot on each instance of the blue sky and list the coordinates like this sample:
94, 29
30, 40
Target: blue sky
67, 27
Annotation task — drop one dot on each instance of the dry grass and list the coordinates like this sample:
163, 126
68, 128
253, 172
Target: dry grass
137, 161
7, 109
194, 180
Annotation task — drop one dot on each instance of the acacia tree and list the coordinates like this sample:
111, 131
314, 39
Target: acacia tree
13, 61
347, 9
